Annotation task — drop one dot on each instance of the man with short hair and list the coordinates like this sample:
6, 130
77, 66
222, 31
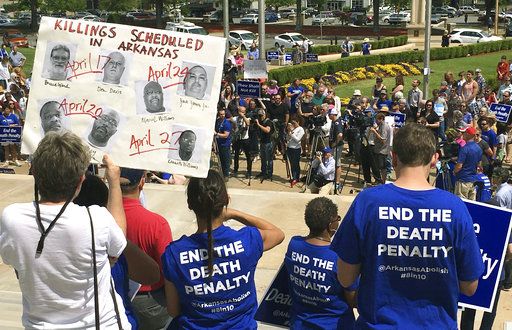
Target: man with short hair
505, 86
336, 141
266, 145
17, 58
196, 82
58, 65
414, 97
319, 97
114, 68
469, 88
223, 140
295, 92
347, 47
465, 169
103, 128
154, 97
51, 117
151, 233
503, 69
48, 241
391, 234
241, 141
382, 144
325, 171
480, 80
187, 144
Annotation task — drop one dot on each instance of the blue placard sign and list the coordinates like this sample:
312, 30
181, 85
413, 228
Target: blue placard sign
272, 55
248, 88
7, 170
10, 134
399, 119
492, 227
502, 111
276, 303
287, 57
311, 57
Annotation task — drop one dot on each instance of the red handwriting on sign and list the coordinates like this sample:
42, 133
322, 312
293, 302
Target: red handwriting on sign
84, 107
87, 65
149, 142
169, 71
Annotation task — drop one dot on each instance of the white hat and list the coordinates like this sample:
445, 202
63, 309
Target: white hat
366, 39
357, 92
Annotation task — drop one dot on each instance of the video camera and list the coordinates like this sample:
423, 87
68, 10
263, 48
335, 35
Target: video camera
360, 120
316, 122
447, 150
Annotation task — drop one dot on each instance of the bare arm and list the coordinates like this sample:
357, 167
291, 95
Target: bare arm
347, 273
265, 129
457, 168
172, 299
468, 288
271, 235
115, 197
141, 267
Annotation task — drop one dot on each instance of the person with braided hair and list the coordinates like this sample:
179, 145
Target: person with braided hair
209, 275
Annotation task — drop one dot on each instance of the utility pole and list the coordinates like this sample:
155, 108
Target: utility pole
426, 55
225, 17
261, 28
496, 18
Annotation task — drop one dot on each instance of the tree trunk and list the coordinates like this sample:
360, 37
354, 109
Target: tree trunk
298, 18
33, 15
159, 9
376, 26
489, 5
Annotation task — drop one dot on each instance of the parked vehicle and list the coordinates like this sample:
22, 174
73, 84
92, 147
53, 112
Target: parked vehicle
243, 38
399, 18
468, 10
8, 22
436, 19
450, 9
471, 36
214, 16
249, 19
186, 27
443, 12
92, 18
290, 39
285, 13
13, 37
308, 12
324, 18
271, 16
360, 18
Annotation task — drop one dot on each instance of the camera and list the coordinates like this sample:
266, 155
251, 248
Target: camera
316, 122
447, 150
360, 120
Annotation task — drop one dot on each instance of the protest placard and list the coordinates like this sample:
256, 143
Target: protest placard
310, 57
128, 91
502, 111
275, 306
272, 55
255, 69
248, 88
10, 134
492, 227
399, 119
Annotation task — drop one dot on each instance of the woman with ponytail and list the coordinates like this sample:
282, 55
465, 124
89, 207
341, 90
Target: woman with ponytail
210, 274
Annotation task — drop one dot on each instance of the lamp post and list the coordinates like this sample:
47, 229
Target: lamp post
426, 56
261, 27
225, 17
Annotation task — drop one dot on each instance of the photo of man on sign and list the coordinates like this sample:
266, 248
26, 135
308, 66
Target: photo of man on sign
197, 83
56, 65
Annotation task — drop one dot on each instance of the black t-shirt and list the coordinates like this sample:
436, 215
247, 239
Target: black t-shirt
265, 137
278, 112
336, 128
307, 107
432, 118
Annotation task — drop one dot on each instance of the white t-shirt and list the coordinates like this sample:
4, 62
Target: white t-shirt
58, 285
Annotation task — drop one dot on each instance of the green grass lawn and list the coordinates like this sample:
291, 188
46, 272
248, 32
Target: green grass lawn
29, 54
487, 63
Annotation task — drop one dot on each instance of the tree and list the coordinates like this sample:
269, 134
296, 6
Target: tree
298, 20
63, 5
376, 24
281, 3
318, 4
33, 15
398, 5
118, 5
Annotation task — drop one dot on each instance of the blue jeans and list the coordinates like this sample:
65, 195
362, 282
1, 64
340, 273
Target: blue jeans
225, 159
441, 130
267, 161
294, 158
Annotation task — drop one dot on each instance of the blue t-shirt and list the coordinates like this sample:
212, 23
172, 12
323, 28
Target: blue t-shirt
388, 103
293, 99
410, 268
490, 137
9, 120
365, 48
469, 156
120, 276
222, 126
227, 300
483, 190
318, 301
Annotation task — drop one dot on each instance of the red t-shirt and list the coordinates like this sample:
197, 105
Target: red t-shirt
149, 231
503, 70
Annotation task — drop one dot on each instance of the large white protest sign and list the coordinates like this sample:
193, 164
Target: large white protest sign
145, 96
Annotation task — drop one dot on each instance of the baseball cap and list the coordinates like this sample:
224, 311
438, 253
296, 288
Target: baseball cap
357, 92
326, 150
261, 112
384, 109
333, 112
469, 130
383, 91
444, 83
478, 70
132, 176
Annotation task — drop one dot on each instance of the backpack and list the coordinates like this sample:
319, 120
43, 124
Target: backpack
274, 131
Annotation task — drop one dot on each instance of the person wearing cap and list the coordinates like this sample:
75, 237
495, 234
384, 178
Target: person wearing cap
503, 69
151, 233
465, 169
480, 80
383, 101
325, 172
366, 46
382, 133
336, 140
414, 96
354, 100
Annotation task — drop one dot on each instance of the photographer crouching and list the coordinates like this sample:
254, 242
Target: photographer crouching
324, 167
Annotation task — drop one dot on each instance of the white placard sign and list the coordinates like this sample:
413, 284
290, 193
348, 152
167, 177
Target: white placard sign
147, 97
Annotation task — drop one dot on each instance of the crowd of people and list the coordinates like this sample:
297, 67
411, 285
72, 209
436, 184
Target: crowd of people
14, 90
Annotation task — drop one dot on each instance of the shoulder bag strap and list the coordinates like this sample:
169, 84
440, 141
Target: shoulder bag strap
96, 302
112, 292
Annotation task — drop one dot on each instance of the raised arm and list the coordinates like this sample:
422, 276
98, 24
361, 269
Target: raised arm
115, 199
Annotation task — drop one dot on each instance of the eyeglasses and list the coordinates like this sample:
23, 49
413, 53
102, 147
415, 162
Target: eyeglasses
483, 124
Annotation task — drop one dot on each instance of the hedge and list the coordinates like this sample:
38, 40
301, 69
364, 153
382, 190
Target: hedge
307, 70
376, 44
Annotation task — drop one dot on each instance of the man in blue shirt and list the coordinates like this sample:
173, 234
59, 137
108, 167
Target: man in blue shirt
222, 134
465, 170
489, 136
383, 101
413, 245
294, 92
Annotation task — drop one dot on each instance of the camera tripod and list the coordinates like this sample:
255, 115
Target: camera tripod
317, 136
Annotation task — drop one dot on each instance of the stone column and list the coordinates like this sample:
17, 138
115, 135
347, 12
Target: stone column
421, 11
414, 12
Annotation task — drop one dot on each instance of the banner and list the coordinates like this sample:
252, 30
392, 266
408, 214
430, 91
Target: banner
492, 227
10, 134
272, 55
399, 118
147, 97
276, 303
248, 88
502, 111
255, 69
7, 170
288, 57
310, 57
